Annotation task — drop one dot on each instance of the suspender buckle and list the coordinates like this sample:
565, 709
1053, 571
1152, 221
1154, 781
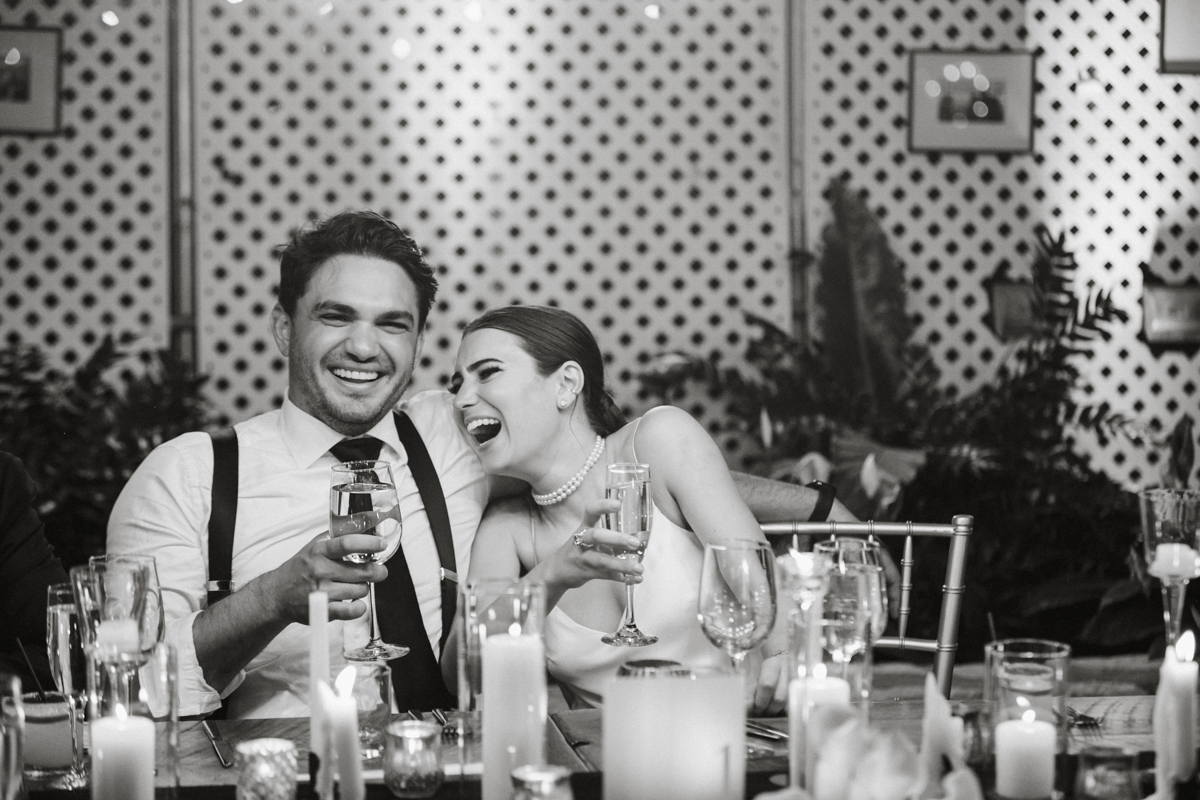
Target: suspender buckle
221, 586
448, 575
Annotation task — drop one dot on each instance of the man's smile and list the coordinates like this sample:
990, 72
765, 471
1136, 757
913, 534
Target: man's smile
357, 375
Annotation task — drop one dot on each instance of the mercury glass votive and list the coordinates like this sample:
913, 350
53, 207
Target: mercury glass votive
412, 762
266, 769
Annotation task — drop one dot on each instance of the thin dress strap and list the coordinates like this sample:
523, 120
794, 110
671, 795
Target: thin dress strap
532, 529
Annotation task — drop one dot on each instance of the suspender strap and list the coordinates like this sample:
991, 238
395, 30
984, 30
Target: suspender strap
223, 517
434, 499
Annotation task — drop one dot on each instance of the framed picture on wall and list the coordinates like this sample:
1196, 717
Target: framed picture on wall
1171, 314
970, 101
29, 79
1180, 39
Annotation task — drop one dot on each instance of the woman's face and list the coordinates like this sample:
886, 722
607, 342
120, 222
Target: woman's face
506, 406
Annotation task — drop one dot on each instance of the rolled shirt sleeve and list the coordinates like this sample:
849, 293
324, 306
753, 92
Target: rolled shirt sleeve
163, 512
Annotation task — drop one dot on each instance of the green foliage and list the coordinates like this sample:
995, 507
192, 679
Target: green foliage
82, 434
1053, 536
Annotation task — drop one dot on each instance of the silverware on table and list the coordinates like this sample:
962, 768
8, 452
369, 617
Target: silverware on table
765, 731
220, 746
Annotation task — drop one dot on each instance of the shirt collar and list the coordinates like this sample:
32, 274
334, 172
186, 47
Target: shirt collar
307, 438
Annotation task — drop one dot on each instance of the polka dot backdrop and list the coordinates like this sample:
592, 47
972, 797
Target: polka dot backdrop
1115, 165
83, 236
625, 167
587, 155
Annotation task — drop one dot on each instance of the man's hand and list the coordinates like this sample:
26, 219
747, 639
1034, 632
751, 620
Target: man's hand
320, 565
230, 633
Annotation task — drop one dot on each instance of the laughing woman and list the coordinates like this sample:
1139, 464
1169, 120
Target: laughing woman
529, 383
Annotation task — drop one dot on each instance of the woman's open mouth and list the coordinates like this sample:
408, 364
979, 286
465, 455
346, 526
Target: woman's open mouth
484, 429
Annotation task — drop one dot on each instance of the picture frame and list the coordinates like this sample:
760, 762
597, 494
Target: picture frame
30, 80
970, 101
1171, 314
1179, 42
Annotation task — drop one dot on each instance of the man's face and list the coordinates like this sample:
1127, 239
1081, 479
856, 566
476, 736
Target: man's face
351, 342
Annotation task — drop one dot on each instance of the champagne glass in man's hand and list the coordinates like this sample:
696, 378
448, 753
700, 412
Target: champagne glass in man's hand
362, 499
630, 484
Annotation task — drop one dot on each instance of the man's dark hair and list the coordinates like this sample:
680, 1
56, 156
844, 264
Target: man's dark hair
351, 233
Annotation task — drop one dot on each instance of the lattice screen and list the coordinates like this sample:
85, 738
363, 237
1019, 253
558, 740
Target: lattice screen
587, 155
1115, 165
583, 153
83, 239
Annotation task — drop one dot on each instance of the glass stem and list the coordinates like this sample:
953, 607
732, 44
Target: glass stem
629, 620
376, 639
1174, 592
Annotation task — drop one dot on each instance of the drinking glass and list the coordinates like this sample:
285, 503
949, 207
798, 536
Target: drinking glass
12, 735
153, 623
737, 596
362, 499
862, 551
851, 608
53, 744
1170, 518
629, 483
1107, 773
372, 693
412, 764
64, 647
804, 577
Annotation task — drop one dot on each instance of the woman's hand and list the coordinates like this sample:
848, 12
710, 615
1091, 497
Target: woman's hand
579, 560
771, 689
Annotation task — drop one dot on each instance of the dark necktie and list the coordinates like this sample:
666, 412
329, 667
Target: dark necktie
364, 448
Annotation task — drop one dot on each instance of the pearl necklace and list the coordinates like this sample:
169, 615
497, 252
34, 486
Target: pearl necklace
568, 488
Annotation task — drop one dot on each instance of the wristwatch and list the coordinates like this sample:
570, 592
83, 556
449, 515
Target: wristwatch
824, 505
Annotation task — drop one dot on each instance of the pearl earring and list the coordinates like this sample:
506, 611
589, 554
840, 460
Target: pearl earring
562, 402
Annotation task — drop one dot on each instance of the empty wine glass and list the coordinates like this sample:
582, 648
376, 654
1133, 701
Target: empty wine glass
153, 623
851, 605
1170, 518
629, 483
362, 499
737, 596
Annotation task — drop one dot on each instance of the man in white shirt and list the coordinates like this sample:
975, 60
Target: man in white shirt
354, 294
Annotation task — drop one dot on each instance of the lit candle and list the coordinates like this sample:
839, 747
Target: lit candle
1174, 561
514, 709
1025, 750
818, 690
1175, 709
318, 671
341, 715
117, 634
122, 757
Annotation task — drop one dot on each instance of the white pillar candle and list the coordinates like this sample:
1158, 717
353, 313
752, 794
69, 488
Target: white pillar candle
675, 738
318, 664
122, 758
117, 634
341, 715
514, 709
1177, 690
803, 695
1025, 758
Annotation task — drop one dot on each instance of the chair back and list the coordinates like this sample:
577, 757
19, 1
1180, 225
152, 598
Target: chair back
945, 646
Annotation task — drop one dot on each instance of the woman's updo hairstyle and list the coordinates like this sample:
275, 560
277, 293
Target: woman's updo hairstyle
553, 337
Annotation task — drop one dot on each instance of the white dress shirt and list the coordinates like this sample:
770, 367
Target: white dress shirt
283, 503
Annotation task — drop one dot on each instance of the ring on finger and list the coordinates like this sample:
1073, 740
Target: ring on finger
578, 538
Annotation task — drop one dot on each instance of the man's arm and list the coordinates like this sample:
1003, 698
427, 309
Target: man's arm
777, 501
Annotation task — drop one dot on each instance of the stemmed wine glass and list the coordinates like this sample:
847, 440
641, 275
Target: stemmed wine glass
153, 624
851, 608
737, 596
362, 499
1170, 522
862, 551
629, 483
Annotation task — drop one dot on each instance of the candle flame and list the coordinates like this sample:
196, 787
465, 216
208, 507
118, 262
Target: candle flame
1185, 648
1029, 716
1022, 701
345, 681
119, 712
819, 670
514, 629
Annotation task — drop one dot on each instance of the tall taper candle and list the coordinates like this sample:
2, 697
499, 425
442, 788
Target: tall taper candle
318, 671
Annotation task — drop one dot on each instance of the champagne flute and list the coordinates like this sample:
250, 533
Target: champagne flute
362, 499
1170, 519
862, 551
64, 647
850, 608
737, 596
629, 483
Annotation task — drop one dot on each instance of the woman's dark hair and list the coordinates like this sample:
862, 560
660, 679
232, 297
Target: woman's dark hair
553, 337
352, 233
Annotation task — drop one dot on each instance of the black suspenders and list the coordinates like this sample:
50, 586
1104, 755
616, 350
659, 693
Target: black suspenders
223, 518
